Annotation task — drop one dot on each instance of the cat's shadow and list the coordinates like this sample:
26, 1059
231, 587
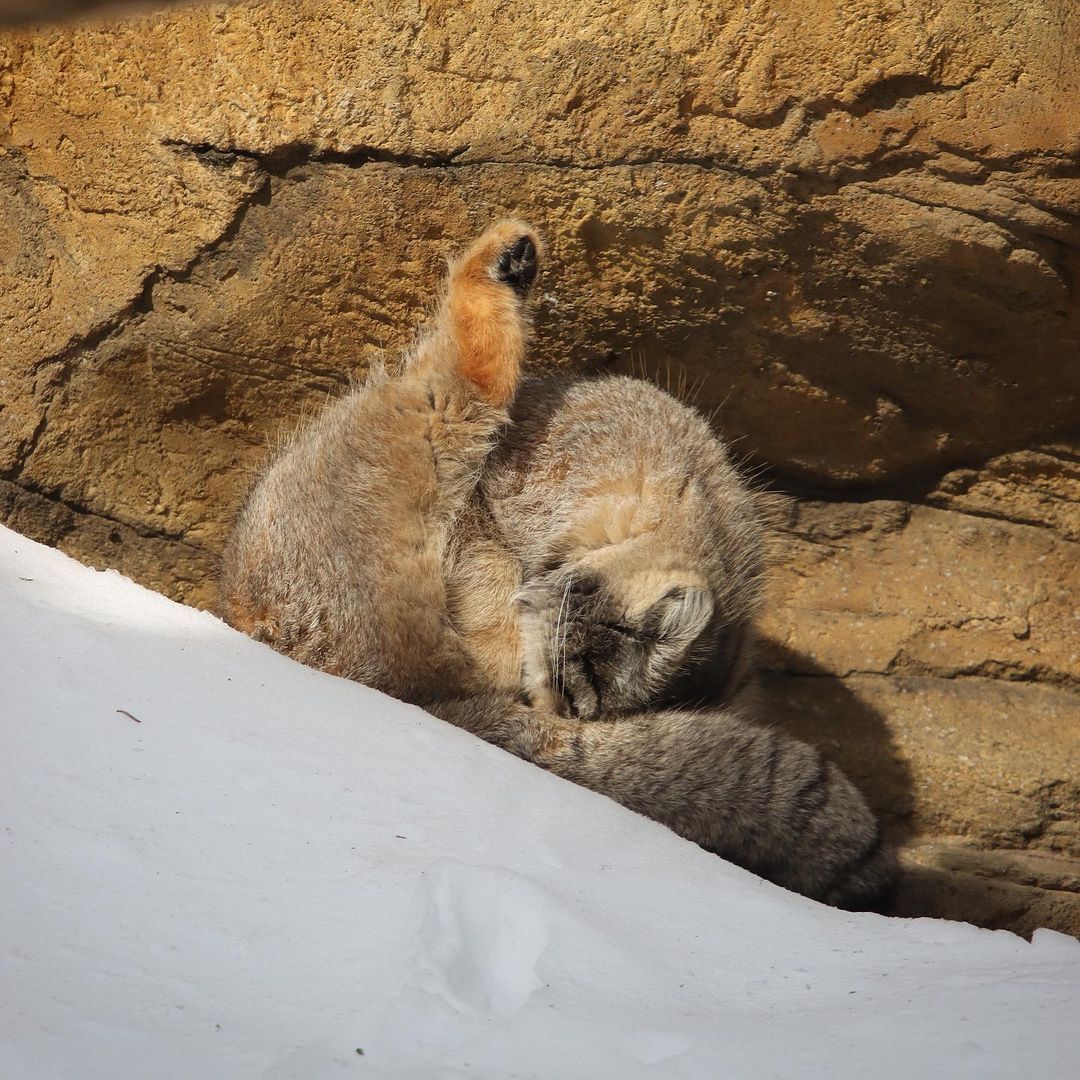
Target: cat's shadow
800, 697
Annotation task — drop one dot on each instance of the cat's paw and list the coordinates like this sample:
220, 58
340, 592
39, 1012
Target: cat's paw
516, 265
559, 644
505, 253
488, 319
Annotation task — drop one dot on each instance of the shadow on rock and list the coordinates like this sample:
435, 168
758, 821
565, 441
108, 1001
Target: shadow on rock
815, 705
941, 877
1001, 890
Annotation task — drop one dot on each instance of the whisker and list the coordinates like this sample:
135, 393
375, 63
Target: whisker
564, 620
553, 648
566, 632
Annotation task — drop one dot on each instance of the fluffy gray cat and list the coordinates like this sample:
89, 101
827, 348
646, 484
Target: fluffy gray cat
570, 573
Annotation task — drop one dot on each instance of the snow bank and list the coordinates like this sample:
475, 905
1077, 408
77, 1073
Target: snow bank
217, 863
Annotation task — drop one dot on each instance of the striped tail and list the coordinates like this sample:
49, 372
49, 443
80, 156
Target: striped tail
752, 795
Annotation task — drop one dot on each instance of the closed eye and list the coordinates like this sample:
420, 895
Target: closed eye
594, 680
625, 630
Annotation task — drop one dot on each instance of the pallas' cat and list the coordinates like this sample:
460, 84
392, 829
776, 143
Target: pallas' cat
570, 572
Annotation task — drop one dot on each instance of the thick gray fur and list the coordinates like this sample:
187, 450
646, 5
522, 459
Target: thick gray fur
548, 573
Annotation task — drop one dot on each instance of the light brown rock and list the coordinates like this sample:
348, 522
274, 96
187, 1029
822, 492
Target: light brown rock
1038, 487
48, 11
854, 220
1018, 891
936, 656
891, 588
850, 230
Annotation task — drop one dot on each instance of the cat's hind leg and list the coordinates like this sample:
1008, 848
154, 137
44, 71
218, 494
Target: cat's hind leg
483, 322
338, 556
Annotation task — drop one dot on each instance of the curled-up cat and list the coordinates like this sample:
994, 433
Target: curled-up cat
564, 572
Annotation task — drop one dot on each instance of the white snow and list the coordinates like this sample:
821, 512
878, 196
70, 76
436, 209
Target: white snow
273, 868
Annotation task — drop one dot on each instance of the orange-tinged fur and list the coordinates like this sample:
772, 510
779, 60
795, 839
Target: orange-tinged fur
484, 316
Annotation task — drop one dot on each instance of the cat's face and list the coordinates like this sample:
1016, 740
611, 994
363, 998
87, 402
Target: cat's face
641, 550
597, 643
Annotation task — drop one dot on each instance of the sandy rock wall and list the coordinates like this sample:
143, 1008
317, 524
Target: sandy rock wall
850, 231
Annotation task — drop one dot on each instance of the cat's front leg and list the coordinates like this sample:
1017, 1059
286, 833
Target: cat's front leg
549, 608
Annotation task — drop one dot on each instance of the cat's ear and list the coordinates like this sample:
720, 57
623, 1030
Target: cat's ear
682, 613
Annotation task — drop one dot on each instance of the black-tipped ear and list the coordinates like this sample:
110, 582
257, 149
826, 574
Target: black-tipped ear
682, 613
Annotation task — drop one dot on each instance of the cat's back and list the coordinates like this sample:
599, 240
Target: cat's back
616, 417
622, 443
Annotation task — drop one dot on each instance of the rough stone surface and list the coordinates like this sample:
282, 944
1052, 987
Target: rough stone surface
849, 230
48, 11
